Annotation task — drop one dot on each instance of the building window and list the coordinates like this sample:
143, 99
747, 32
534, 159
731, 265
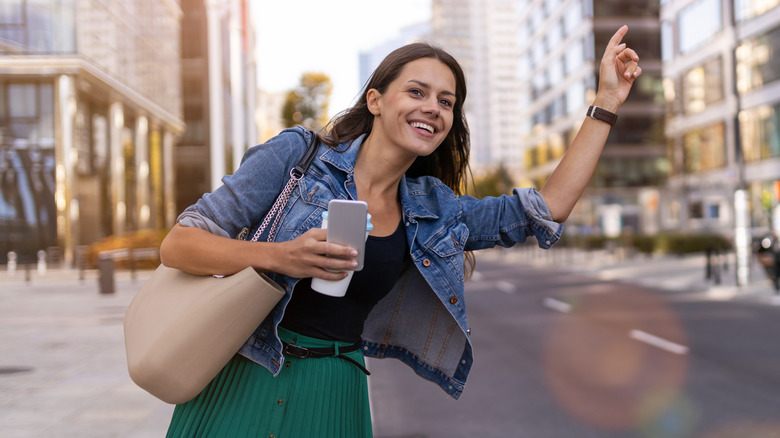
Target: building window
757, 61
698, 23
760, 132
572, 18
667, 41
705, 148
38, 27
650, 89
638, 130
622, 8
745, 9
29, 115
703, 86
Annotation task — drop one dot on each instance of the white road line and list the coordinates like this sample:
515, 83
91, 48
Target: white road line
658, 342
505, 286
558, 305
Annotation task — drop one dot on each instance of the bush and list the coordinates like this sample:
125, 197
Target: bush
132, 240
666, 243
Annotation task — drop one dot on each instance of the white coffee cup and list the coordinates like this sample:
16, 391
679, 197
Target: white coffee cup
336, 288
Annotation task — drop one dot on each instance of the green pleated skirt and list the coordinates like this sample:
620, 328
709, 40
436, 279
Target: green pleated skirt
313, 397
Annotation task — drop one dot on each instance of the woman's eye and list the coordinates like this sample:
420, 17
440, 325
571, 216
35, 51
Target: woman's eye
446, 103
416, 92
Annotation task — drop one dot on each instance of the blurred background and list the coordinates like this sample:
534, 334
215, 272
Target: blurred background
116, 115
652, 317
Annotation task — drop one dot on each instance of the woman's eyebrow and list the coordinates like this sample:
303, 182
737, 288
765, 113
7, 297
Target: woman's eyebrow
428, 87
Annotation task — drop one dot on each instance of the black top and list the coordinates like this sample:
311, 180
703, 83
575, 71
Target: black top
311, 313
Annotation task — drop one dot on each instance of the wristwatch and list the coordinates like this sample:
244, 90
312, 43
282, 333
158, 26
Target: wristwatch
599, 113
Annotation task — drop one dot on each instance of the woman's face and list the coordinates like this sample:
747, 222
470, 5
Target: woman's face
416, 111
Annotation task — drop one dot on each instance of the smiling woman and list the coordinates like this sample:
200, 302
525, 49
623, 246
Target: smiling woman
403, 149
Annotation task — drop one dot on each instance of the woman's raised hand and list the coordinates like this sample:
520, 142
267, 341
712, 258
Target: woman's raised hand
619, 69
310, 255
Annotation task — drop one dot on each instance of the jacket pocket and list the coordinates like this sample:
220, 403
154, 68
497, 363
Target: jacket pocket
449, 248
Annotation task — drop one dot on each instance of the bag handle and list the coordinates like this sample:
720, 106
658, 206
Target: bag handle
296, 173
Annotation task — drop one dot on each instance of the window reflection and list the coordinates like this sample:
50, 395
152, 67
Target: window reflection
703, 86
760, 132
705, 148
757, 62
697, 23
745, 9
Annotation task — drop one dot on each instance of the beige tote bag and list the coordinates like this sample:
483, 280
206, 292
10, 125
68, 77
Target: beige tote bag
182, 329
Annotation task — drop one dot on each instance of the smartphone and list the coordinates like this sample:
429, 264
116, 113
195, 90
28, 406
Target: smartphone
347, 225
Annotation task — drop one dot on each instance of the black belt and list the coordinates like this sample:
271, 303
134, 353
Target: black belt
303, 353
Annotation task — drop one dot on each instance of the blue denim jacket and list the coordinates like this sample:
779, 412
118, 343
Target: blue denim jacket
422, 321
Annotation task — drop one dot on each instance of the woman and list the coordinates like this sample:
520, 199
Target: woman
403, 149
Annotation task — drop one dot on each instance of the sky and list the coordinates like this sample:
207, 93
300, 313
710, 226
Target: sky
325, 36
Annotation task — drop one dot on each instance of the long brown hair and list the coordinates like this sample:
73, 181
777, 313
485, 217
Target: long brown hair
449, 162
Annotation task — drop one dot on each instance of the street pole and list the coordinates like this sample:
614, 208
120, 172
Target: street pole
742, 238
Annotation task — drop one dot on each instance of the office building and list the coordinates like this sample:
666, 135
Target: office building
722, 82
90, 108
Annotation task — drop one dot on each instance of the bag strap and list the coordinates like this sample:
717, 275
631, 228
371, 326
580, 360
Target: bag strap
296, 173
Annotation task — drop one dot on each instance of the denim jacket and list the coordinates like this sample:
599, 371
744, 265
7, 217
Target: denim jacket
422, 321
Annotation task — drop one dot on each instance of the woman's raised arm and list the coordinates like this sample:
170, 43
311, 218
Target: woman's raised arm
619, 69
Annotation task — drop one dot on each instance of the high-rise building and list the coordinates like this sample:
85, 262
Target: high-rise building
482, 36
90, 107
561, 46
722, 82
219, 94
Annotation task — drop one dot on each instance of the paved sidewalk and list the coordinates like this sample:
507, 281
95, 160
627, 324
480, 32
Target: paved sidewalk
62, 360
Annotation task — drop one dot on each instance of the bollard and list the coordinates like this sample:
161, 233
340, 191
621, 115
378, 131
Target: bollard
105, 275
708, 267
41, 262
11, 263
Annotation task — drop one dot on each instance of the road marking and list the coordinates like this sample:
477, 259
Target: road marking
558, 305
661, 343
505, 286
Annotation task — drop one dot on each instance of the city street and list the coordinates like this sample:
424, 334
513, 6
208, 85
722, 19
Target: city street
562, 354
583, 350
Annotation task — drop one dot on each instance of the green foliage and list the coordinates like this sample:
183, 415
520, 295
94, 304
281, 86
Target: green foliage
495, 183
307, 104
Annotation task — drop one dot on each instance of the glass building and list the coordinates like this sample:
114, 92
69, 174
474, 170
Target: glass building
722, 83
90, 108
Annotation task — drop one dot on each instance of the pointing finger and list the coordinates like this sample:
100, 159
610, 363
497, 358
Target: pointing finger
616, 38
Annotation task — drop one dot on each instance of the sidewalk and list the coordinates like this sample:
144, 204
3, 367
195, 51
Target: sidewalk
62, 360
682, 276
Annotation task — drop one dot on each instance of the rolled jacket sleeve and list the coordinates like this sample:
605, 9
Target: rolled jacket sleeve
509, 219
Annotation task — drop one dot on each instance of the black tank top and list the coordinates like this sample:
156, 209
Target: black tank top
311, 313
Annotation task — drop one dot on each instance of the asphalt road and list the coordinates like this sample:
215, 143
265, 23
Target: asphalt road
563, 355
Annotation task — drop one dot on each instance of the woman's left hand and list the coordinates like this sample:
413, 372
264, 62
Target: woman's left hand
619, 69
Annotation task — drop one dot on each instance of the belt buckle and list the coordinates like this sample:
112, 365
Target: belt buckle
296, 351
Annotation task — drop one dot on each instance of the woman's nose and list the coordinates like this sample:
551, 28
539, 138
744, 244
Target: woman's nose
431, 106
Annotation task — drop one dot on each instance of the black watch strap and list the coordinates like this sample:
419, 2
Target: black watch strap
599, 113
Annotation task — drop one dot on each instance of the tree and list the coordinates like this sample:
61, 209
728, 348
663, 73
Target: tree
307, 104
495, 183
